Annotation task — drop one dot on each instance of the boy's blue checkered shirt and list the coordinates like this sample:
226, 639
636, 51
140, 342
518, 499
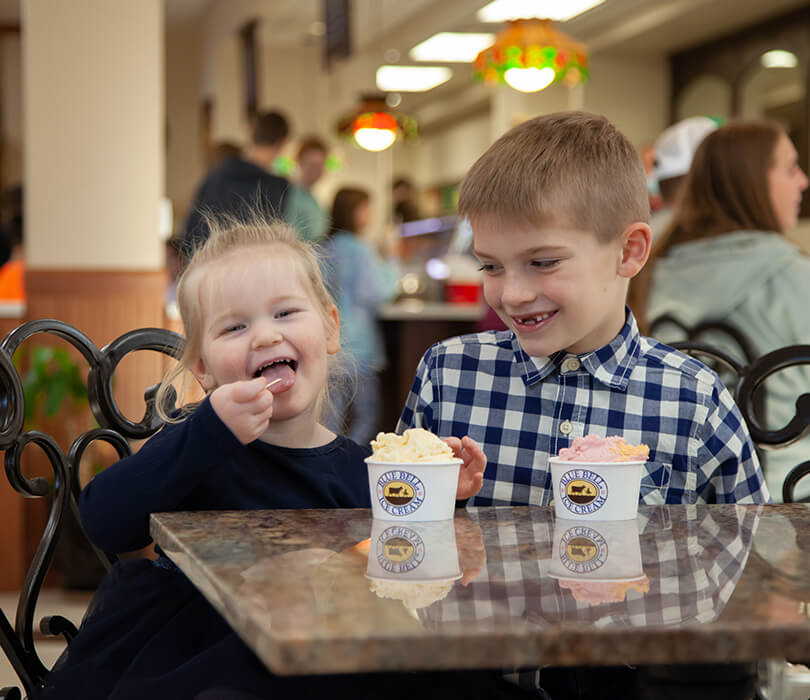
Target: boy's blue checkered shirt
523, 409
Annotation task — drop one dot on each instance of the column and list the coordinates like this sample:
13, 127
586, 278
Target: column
94, 151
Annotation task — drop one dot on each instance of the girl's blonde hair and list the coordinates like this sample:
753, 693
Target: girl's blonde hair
229, 234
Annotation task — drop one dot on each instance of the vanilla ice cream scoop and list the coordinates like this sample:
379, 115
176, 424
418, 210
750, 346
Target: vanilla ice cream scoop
412, 595
414, 445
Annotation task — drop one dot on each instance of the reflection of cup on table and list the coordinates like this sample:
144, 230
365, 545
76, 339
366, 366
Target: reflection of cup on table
596, 550
412, 477
413, 551
598, 560
415, 562
598, 479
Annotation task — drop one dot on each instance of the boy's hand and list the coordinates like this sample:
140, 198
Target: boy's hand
472, 556
245, 407
471, 474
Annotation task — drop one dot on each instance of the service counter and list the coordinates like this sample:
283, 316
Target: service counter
409, 328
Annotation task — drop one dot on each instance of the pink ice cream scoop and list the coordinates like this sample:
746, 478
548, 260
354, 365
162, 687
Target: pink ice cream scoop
593, 448
594, 592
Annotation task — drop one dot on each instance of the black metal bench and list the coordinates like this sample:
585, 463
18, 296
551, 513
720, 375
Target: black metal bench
113, 428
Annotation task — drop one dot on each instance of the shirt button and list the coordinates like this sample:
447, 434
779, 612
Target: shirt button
572, 364
566, 427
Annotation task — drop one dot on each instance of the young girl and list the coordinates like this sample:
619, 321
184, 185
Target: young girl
361, 281
261, 330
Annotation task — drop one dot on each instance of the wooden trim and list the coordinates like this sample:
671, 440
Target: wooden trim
103, 304
93, 281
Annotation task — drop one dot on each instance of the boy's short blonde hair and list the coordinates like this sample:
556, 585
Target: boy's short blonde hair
564, 169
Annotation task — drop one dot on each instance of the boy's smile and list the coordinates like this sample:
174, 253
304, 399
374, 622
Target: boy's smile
557, 289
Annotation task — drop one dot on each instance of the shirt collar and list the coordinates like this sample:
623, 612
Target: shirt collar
611, 364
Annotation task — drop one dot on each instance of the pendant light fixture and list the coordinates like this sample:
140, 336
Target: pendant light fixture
531, 54
373, 126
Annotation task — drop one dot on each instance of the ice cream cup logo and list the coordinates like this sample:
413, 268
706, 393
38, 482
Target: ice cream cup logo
583, 491
399, 550
583, 549
400, 492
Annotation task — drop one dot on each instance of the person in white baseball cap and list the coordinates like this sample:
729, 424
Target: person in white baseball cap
674, 150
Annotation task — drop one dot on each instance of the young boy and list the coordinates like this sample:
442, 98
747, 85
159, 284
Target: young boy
559, 210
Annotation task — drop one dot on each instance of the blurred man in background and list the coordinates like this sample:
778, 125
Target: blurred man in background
243, 184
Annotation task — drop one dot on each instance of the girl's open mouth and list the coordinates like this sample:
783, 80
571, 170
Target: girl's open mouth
283, 369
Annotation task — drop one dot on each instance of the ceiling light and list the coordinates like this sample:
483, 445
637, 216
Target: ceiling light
779, 59
373, 127
451, 47
529, 79
530, 54
411, 78
505, 10
374, 138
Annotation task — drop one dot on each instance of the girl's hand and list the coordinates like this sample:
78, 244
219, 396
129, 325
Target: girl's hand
245, 407
471, 474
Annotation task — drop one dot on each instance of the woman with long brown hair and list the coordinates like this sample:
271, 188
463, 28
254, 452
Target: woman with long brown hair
361, 281
725, 257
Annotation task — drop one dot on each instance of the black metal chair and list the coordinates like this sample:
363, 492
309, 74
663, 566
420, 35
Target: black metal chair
721, 346
114, 428
798, 426
749, 397
716, 333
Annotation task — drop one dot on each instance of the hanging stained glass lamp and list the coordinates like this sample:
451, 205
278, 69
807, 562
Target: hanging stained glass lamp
531, 54
374, 127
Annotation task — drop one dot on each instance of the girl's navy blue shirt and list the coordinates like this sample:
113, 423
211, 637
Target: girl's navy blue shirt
200, 465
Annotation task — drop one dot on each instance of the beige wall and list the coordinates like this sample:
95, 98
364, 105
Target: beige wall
446, 156
94, 133
633, 94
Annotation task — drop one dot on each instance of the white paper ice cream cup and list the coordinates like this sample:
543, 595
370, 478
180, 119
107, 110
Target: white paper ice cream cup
415, 492
413, 551
596, 490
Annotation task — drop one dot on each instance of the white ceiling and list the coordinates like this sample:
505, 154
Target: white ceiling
646, 29
643, 29
636, 27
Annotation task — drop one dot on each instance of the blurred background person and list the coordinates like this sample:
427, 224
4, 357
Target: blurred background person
305, 214
725, 257
243, 183
361, 281
404, 201
222, 150
12, 271
647, 153
672, 155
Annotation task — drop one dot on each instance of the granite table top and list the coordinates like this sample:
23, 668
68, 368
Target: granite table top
323, 591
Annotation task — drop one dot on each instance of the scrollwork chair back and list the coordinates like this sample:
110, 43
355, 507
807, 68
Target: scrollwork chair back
796, 428
747, 391
114, 428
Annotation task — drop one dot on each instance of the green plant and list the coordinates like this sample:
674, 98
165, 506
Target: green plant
52, 378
